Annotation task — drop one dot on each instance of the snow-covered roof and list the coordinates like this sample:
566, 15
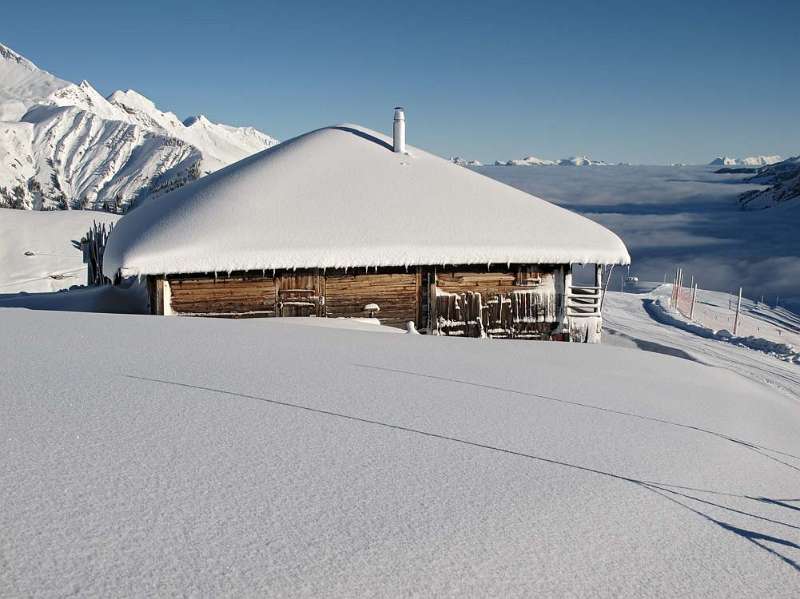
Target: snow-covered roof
340, 197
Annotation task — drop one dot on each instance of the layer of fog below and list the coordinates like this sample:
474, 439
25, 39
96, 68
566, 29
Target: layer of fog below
680, 216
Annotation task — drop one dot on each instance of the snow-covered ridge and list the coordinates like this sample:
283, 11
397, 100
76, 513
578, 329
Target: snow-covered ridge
66, 145
534, 161
784, 180
748, 161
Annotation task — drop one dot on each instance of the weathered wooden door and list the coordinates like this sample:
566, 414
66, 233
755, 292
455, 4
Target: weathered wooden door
299, 293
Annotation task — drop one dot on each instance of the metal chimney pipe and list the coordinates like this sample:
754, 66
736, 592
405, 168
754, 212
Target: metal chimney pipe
399, 130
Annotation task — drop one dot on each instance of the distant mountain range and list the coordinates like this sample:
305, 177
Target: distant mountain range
65, 145
534, 161
749, 161
465, 162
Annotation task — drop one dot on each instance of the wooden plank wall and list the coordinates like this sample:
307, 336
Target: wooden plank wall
485, 283
395, 293
299, 293
223, 295
402, 296
507, 302
155, 294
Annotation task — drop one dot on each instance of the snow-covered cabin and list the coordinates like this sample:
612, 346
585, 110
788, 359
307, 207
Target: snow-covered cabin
334, 220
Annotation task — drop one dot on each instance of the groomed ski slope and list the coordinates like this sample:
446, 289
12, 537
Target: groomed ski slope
166, 456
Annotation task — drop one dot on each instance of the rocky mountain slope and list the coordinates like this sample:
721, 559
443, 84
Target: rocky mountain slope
65, 145
784, 181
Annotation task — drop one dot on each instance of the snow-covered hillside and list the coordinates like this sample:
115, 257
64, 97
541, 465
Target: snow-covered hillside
784, 181
748, 161
65, 144
534, 161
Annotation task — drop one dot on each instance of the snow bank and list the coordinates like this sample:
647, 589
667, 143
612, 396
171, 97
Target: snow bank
339, 197
170, 456
661, 311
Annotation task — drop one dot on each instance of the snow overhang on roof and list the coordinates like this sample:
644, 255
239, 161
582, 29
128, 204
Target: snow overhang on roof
340, 197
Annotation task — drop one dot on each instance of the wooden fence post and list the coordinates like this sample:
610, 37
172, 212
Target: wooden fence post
738, 307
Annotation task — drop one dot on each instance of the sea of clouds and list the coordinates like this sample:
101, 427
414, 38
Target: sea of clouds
680, 216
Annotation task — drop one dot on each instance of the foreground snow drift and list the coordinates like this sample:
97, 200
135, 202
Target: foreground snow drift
192, 456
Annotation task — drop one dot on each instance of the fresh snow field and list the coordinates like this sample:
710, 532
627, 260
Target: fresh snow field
149, 455
55, 262
680, 216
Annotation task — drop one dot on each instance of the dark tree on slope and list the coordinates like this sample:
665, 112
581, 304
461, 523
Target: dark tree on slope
19, 199
61, 202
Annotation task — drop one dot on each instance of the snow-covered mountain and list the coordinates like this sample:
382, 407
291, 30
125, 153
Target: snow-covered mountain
64, 144
784, 181
465, 161
534, 161
748, 161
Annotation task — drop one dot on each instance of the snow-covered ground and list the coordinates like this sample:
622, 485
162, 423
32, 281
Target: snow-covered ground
634, 320
717, 310
148, 455
37, 249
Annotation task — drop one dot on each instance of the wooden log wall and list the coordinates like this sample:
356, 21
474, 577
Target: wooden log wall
485, 283
522, 303
395, 293
519, 301
207, 295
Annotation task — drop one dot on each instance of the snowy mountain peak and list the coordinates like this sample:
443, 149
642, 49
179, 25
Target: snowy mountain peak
64, 144
132, 99
7, 54
22, 84
144, 111
198, 118
87, 98
465, 161
748, 161
534, 161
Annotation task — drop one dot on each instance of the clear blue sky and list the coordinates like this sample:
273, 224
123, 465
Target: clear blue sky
648, 82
